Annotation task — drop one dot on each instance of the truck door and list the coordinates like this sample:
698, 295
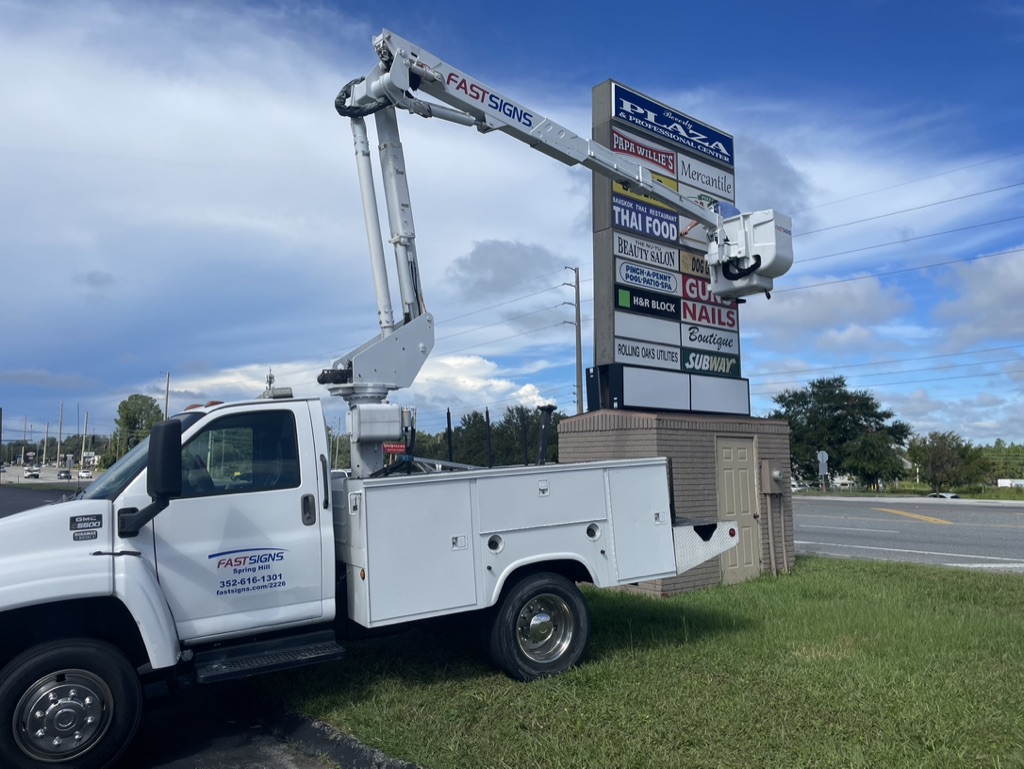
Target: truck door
241, 549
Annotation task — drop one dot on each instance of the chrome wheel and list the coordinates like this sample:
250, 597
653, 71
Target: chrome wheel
538, 628
62, 715
545, 627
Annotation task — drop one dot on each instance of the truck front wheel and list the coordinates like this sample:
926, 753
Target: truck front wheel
539, 628
72, 704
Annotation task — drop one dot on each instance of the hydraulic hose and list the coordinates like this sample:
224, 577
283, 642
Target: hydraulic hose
341, 102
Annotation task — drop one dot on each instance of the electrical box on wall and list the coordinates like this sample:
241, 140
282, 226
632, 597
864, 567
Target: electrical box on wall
773, 477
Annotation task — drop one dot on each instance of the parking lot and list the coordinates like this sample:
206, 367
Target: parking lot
15, 474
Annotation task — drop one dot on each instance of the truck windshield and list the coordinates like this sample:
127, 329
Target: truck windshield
123, 471
120, 474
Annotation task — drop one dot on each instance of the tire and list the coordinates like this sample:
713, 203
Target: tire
539, 628
73, 704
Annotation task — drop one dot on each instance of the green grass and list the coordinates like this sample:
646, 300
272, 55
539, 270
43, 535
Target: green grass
840, 664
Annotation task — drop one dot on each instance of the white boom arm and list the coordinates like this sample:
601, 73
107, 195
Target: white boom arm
744, 252
405, 68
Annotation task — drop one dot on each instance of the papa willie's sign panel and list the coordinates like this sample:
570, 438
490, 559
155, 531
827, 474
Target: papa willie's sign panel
656, 158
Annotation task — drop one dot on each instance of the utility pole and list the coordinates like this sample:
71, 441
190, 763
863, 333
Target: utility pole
167, 394
46, 439
579, 339
60, 432
81, 460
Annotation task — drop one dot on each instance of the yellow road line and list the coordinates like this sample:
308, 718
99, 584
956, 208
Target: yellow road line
915, 516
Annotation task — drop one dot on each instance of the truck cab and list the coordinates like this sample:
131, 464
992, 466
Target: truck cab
226, 542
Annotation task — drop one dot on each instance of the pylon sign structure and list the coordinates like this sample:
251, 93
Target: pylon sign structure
662, 340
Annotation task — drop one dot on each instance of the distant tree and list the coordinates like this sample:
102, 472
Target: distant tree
136, 416
977, 465
870, 457
341, 448
432, 446
1006, 460
945, 460
514, 436
827, 416
469, 442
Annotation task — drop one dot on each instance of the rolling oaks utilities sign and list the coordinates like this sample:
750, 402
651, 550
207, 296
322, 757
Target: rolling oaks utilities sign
646, 354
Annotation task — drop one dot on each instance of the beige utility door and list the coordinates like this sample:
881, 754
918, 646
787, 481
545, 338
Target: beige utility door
737, 500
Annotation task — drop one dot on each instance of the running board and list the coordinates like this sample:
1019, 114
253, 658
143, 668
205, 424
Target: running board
265, 656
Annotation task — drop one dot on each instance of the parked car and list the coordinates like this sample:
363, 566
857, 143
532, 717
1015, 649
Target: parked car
85, 473
944, 495
31, 472
63, 475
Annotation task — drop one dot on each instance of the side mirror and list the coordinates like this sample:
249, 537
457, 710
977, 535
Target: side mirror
163, 473
163, 477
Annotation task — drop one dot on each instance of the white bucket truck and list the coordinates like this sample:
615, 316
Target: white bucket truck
223, 545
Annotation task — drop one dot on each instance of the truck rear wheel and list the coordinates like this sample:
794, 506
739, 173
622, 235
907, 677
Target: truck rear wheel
539, 628
73, 704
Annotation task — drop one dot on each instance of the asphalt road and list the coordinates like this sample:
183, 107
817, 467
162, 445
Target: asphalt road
223, 726
943, 532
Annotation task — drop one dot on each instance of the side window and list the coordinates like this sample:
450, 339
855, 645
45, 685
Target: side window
241, 453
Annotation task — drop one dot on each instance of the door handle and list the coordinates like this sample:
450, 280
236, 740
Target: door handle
308, 510
327, 480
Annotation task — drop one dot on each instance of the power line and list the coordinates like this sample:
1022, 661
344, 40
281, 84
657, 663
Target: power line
499, 304
898, 272
918, 381
502, 339
931, 368
910, 240
912, 181
908, 210
789, 372
499, 322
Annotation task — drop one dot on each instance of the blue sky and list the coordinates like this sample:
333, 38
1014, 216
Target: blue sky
177, 195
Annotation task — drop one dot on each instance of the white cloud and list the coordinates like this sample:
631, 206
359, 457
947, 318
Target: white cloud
178, 194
